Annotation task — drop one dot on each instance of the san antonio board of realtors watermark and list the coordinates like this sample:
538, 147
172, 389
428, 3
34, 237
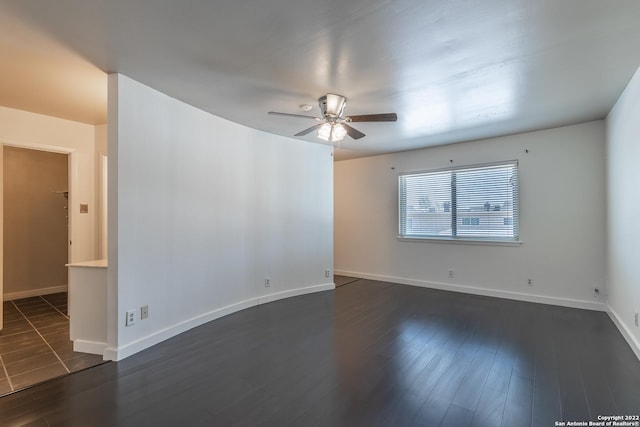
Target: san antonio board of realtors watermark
604, 421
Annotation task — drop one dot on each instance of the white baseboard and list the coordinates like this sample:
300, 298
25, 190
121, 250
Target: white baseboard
91, 347
563, 302
34, 292
110, 353
164, 334
295, 292
625, 331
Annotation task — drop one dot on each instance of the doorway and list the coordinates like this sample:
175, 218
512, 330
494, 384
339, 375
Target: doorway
34, 341
36, 227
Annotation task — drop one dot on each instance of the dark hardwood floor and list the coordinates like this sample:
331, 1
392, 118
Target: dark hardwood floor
343, 280
367, 354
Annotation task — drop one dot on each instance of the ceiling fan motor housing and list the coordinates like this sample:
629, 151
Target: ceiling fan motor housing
332, 105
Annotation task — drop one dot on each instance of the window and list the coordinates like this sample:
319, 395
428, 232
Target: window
465, 203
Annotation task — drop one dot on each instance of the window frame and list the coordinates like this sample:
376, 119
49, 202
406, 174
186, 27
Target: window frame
490, 240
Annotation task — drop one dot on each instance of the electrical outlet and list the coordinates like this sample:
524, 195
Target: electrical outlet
131, 317
267, 282
144, 312
327, 273
635, 316
529, 282
451, 273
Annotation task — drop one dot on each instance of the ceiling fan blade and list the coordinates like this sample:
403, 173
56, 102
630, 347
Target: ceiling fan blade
352, 132
384, 117
274, 113
309, 130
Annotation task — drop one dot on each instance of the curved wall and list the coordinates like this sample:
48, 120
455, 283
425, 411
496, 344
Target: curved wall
202, 211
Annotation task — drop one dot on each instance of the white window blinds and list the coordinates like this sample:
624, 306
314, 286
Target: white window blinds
465, 203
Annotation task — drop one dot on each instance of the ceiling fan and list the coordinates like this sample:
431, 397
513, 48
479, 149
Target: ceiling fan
334, 126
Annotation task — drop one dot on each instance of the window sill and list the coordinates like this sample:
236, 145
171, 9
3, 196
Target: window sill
462, 241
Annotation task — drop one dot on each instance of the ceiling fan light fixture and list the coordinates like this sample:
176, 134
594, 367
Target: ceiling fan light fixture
332, 132
338, 133
325, 132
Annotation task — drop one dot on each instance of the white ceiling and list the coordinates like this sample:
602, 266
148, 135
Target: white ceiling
452, 70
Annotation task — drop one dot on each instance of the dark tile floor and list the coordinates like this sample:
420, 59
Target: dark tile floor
35, 344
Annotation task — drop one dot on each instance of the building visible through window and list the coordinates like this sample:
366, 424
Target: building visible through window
465, 203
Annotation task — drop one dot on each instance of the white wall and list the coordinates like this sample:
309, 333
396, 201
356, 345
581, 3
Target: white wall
201, 210
563, 250
28, 130
101, 190
623, 227
101, 139
1, 235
